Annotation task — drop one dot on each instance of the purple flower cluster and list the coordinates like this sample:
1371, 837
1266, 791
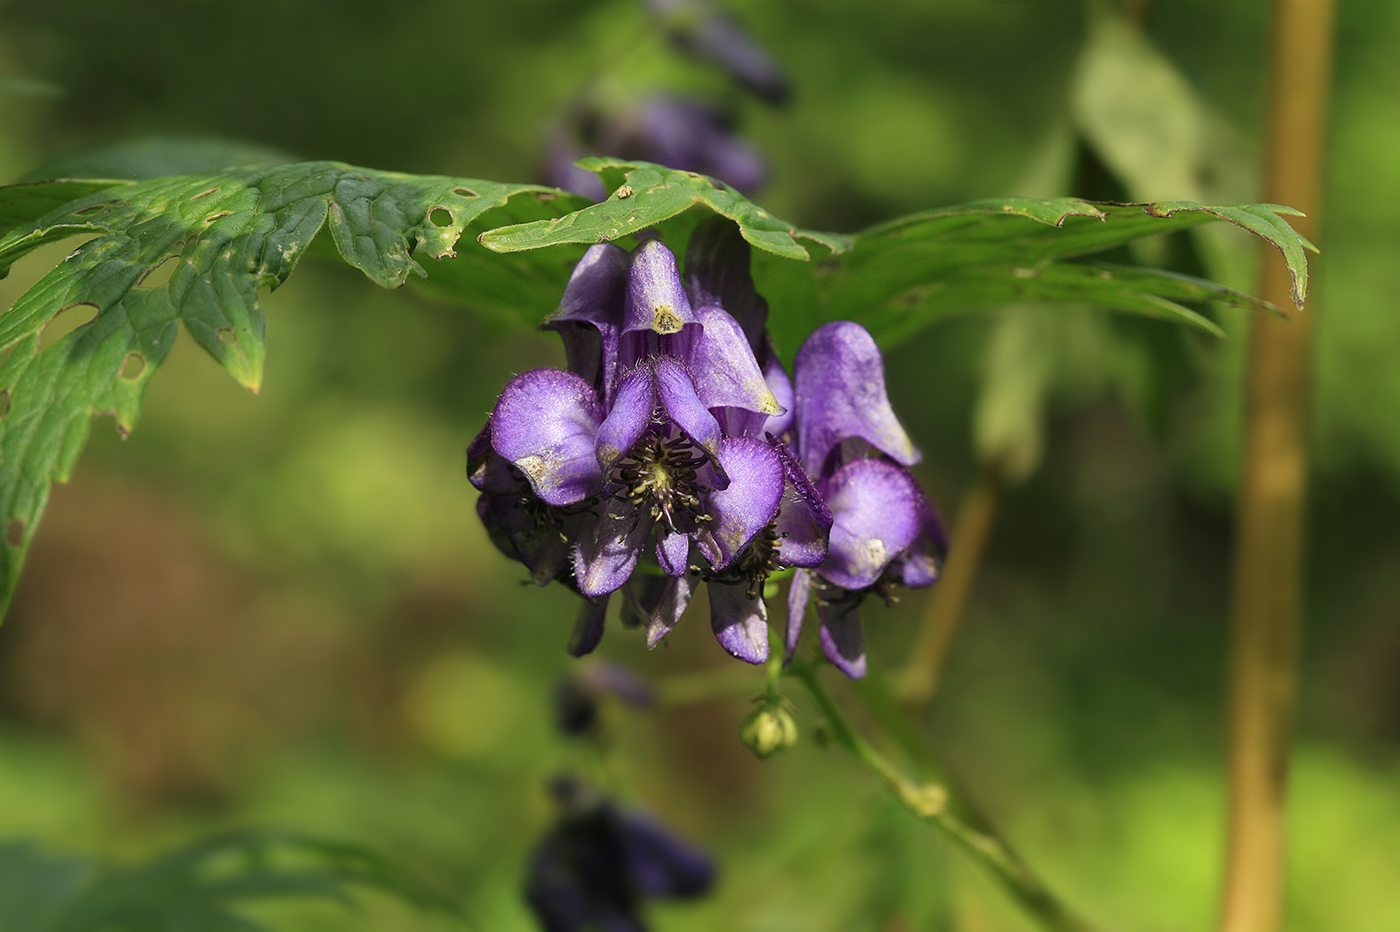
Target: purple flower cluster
675, 450
597, 865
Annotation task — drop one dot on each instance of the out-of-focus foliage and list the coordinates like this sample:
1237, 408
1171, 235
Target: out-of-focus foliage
205, 886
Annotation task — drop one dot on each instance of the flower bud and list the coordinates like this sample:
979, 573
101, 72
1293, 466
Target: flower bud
768, 730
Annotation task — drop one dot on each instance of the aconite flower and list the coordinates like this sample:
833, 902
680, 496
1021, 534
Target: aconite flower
884, 533
598, 863
648, 458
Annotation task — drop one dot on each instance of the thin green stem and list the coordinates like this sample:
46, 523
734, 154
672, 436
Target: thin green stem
936, 803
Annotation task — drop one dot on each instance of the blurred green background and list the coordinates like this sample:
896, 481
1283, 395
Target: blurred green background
280, 609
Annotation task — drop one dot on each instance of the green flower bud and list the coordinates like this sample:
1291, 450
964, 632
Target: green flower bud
768, 730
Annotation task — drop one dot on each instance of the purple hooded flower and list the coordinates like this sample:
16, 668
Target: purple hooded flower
598, 863
649, 457
884, 533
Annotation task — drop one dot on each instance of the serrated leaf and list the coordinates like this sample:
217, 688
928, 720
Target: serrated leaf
225, 235
902, 275
644, 195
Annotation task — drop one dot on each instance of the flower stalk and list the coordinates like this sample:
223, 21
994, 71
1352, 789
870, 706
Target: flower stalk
1269, 546
945, 603
941, 805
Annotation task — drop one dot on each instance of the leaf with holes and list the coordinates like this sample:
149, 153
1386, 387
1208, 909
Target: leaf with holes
220, 237
645, 195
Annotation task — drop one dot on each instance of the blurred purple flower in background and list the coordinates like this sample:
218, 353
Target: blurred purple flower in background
671, 130
598, 863
671, 127
701, 30
884, 533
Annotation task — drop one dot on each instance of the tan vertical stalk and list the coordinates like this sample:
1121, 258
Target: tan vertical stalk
1269, 548
943, 608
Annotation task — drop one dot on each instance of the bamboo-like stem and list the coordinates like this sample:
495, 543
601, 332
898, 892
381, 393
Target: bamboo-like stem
938, 804
1269, 547
943, 607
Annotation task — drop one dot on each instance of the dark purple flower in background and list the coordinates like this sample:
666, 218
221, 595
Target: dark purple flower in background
649, 459
598, 863
884, 533
701, 30
679, 132
578, 696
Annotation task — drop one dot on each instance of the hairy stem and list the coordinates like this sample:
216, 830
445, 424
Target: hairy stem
940, 805
944, 605
1269, 546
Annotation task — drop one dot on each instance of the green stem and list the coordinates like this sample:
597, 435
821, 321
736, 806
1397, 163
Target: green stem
937, 804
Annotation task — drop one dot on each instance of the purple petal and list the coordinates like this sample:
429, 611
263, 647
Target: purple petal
673, 552
656, 300
798, 592
726, 372
717, 272
781, 387
660, 864
840, 391
739, 622
922, 563
588, 626
843, 636
629, 418
589, 316
875, 510
545, 423
749, 503
490, 472
660, 601
607, 553
675, 389
521, 536
804, 521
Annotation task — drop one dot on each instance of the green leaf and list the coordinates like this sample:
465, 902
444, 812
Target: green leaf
197, 887
224, 236
900, 276
644, 195
25, 203
35, 887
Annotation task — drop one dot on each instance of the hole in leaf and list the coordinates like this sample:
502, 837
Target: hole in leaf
215, 216
441, 216
195, 197
545, 195
14, 532
464, 192
4, 401
69, 318
133, 365
226, 335
94, 209
158, 275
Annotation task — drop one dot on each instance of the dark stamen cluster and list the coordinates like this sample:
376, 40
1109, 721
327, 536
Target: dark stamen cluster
660, 472
758, 561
